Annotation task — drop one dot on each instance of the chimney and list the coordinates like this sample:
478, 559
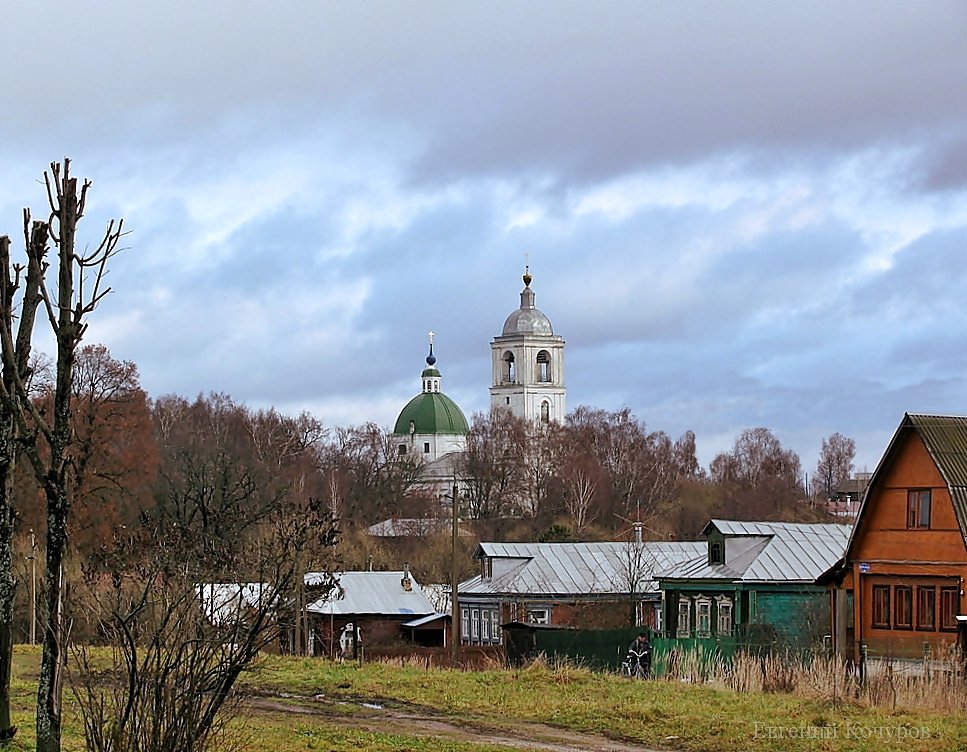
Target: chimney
637, 526
406, 582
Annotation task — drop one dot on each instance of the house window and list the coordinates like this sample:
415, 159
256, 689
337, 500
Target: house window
881, 606
538, 616
949, 608
903, 607
926, 608
545, 412
486, 568
918, 508
426, 447
475, 624
485, 626
684, 628
724, 607
715, 554
402, 449
464, 622
703, 617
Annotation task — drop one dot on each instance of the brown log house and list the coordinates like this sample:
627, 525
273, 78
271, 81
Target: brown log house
899, 589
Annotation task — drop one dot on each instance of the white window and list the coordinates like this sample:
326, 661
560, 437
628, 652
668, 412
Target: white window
538, 616
724, 607
495, 626
464, 623
684, 628
485, 626
475, 624
703, 617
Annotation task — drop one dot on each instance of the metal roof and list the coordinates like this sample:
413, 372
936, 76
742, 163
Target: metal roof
425, 620
785, 552
945, 437
579, 569
373, 593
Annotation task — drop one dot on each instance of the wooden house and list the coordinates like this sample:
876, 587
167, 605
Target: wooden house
588, 585
900, 586
374, 608
753, 585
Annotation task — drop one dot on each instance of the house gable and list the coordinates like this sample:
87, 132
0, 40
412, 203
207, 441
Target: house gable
882, 532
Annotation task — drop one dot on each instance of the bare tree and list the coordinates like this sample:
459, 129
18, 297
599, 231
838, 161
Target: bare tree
834, 466
48, 439
181, 641
634, 572
16, 357
759, 477
492, 464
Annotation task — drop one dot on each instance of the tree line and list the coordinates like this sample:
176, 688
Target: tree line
130, 507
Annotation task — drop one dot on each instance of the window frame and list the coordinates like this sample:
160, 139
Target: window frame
715, 553
951, 594
907, 590
724, 613
919, 508
703, 617
538, 616
684, 628
929, 593
880, 607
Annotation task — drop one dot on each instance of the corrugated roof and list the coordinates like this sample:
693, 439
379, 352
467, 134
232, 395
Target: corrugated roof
789, 552
945, 437
373, 593
569, 569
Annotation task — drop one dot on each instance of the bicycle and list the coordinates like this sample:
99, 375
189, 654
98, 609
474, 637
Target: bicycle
637, 664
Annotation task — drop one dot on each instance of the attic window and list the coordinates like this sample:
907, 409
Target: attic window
918, 508
715, 554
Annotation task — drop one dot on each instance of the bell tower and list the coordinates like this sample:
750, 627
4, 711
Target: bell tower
528, 363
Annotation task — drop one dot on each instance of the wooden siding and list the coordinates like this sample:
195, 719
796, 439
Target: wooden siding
888, 553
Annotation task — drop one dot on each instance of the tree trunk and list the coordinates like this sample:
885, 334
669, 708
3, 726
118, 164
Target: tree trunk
8, 583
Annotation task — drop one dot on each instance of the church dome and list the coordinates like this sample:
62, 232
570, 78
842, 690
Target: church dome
431, 414
527, 319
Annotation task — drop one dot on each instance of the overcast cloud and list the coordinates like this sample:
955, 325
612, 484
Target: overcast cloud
737, 214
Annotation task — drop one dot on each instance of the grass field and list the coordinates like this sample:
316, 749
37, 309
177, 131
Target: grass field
294, 704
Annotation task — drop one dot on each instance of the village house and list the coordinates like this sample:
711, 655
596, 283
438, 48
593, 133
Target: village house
899, 589
753, 585
587, 585
373, 608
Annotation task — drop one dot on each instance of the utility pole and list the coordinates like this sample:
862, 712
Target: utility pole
454, 606
33, 588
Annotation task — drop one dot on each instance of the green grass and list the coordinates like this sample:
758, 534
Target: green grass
671, 715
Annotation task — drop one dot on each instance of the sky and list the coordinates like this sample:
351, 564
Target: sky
737, 214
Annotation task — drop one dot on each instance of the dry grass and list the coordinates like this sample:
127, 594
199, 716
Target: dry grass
937, 685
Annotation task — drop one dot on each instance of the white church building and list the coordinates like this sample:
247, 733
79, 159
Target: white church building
527, 379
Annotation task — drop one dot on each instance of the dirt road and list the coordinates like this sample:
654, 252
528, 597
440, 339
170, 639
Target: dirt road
375, 717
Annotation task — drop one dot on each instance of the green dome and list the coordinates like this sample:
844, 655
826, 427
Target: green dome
432, 412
